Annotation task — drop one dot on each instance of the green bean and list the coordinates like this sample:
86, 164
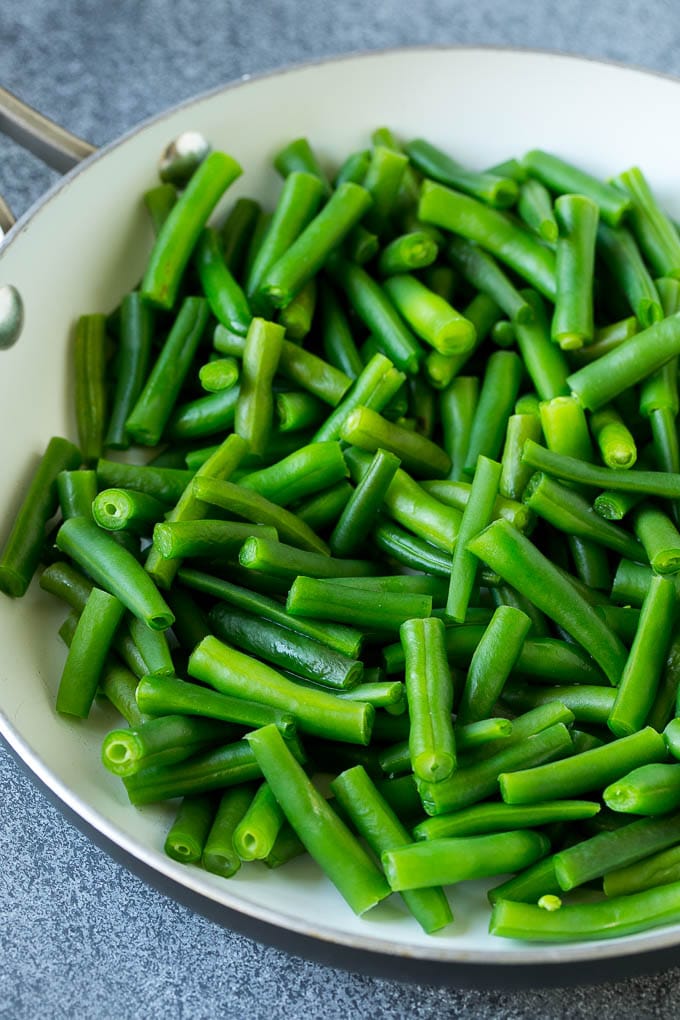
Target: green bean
338, 342
621, 254
299, 366
322, 599
536, 720
256, 832
359, 513
313, 247
181, 229
569, 512
354, 168
89, 647
165, 484
480, 819
660, 538
622, 915
118, 685
496, 399
470, 784
383, 179
369, 431
378, 824
665, 703
227, 301
205, 416
159, 202
229, 765
609, 850
297, 205
152, 645
454, 859
514, 474
614, 506
297, 316
572, 469
286, 848
376, 311
529, 885
279, 560
615, 440
503, 333
296, 411
89, 356
561, 177
255, 407
482, 271
311, 468
582, 772
324, 835
478, 512
155, 403
204, 538
493, 231
323, 510
656, 870
492, 662
133, 356
410, 505
76, 490
257, 235
482, 311
161, 742
115, 569
168, 695
654, 231
457, 404
589, 703
342, 639
642, 671
407, 252
523, 566
535, 207
219, 856
374, 387
430, 317
498, 191
317, 712
648, 790
299, 156
236, 232
283, 648
429, 692
572, 323
411, 551
505, 595
545, 364
117, 509
219, 465
415, 584
187, 834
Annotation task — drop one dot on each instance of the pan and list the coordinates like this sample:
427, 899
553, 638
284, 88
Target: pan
84, 245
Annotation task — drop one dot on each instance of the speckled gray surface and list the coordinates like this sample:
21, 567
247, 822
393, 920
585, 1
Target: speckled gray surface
80, 937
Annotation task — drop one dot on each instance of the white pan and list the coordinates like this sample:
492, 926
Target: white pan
85, 244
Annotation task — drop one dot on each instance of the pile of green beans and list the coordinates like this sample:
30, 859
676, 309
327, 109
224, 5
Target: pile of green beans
398, 506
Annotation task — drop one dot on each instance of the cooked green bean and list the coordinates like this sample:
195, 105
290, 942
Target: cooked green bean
498, 191
256, 832
535, 207
117, 509
545, 363
614, 438
654, 231
492, 662
159, 201
236, 232
133, 356
480, 819
589, 703
562, 177
89, 356
482, 311
311, 468
284, 648
582, 772
642, 671
324, 835
378, 824
650, 483
481, 270
360, 511
323, 510
87, 653
227, 301
514, 474
161, 742
478, 512
374, 387
325, 600
457, 404
430, 317
181, 229
493, 231
168, 695
76, 490
496, 399
279, 560
219, 856
317, 712
407, 252
429, 692
622, 255
369, 431
166, 484
648, 790
656, 870
204, 538
660, 538
188, 833
572, 323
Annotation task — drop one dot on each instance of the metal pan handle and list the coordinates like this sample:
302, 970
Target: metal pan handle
47, 140
55, 146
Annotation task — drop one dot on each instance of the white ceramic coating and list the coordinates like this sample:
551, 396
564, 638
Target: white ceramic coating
86, 244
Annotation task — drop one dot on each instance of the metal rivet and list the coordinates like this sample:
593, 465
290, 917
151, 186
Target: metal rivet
182, 157
11, 315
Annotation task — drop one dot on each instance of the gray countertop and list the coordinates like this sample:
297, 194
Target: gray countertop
81, 937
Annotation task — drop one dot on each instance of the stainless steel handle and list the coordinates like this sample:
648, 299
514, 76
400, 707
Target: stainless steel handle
55, 146
43, 137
